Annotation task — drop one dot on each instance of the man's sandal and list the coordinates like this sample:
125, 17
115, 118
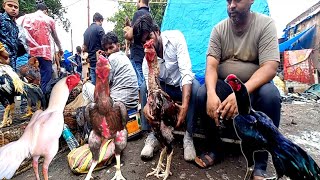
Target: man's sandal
205, 160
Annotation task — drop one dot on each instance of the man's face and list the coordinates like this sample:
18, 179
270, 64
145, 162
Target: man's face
156, 39
238, 10
11, 8
138, 4
111, 48
100, 22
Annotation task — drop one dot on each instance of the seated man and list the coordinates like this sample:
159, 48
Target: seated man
176, 78
122, 78
245, 44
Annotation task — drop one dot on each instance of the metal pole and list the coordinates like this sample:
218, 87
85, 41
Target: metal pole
88, 13
71, 42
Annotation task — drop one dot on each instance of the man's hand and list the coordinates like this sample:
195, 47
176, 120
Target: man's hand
182, 114
213, 103
228, 108
147, 114
100, 52
61, 52
128, 33
4, 57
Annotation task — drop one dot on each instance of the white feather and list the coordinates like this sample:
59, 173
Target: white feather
11, 156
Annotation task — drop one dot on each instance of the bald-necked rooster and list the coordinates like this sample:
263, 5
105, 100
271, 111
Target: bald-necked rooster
10, 86
257, 132
41, 136
108, 118
163, 109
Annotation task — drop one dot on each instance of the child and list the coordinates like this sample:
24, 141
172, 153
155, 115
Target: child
9, 30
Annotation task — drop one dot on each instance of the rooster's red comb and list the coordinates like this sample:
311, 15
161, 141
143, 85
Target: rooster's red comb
102, 60
231, 77
148, 44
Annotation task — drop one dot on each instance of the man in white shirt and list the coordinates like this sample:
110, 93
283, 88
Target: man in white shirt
176, 78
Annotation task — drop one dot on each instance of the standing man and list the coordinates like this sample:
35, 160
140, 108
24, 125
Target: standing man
9, 30
92, 40
176, 79
245, 44
136, 50
39, 27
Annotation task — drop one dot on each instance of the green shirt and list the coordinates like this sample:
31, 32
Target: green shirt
242, 54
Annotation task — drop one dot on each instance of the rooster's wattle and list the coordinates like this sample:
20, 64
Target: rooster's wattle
108, 118
257, 132
163, 109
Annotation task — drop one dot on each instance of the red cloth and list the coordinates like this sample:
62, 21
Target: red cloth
38, 29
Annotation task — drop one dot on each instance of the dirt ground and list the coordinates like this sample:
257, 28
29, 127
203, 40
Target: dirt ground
300, 123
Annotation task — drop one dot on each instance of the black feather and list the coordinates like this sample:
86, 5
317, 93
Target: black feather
257, 132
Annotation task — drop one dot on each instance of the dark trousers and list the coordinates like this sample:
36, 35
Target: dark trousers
265, 99
176, 94
45, 72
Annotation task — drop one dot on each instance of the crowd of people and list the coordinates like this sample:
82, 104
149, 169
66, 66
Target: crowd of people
244, 44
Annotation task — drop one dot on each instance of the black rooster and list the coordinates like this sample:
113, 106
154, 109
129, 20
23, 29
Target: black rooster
257, 132
163, 109
10, 86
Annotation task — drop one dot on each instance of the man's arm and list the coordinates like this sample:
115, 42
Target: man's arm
269, 57
263, 75
187, 76
55, 36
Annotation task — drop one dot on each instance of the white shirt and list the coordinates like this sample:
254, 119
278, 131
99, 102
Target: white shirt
175, 67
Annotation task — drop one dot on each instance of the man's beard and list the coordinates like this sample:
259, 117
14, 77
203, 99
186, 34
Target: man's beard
240, 17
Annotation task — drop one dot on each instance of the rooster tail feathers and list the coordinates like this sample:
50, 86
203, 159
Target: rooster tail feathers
291, 155
35, 94
11, 156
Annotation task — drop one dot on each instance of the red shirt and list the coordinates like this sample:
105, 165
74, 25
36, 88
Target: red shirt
38, 29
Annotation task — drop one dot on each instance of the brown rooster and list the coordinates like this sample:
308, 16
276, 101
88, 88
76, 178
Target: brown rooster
31, 71
108, 118
41, 136
163, 109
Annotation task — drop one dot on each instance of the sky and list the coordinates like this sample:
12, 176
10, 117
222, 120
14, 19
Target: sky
282, 11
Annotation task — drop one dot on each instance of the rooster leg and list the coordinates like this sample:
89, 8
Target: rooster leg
93, 165
38, 105
35, 166
11, 113
118, 175
29, 112
156, 172
166, 174
5, 117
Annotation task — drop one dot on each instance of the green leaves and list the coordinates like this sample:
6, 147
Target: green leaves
56, 10
127, 10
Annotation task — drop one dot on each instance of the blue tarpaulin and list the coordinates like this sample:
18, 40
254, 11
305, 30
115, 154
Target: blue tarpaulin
195, 19
303, 40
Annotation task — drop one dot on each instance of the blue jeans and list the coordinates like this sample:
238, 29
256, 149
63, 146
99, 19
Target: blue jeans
93, 75
176, 94
137, 66
45, 72
265, 99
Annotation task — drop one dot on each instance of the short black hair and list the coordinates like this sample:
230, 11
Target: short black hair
41, 6
97, 17
144, 24
109, 38
78, 49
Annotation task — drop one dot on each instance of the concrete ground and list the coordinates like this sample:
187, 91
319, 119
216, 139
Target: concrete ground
299, 123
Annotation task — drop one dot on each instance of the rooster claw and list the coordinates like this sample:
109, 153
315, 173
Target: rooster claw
156, 172
118, 176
